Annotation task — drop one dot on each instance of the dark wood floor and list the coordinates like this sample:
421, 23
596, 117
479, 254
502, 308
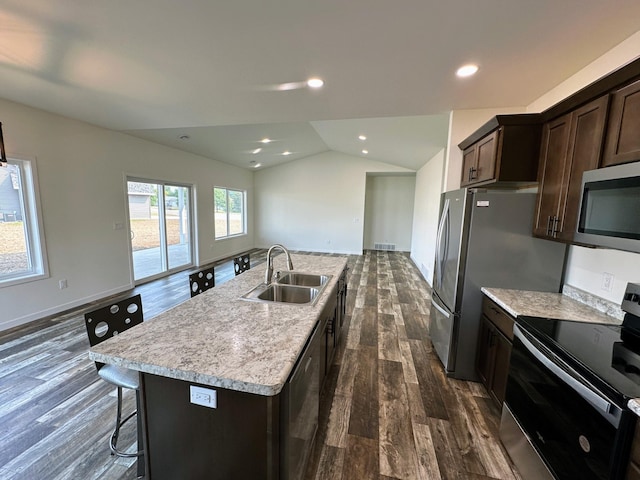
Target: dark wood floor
388, 411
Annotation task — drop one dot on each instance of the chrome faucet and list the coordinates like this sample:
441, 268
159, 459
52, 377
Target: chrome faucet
268, 275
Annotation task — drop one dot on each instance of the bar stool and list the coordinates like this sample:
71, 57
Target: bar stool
201, 281
105, 323
241, 263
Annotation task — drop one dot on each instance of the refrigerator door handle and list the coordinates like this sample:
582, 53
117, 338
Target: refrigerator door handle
442, 229
440, 309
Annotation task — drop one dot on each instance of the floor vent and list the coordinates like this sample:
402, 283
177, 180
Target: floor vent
384, 246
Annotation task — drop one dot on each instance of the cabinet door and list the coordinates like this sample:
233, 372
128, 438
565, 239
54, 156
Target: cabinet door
502, 356
484, 355
553, 157
469, 166
585, 144
486, 163
623, 141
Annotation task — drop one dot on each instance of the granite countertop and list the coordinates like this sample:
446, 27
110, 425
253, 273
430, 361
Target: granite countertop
217, 339
521, 303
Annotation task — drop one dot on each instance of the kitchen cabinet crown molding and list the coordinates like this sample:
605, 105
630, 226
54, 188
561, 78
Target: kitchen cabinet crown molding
626, 74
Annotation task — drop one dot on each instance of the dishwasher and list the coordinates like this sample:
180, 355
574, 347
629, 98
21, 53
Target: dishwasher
300, 408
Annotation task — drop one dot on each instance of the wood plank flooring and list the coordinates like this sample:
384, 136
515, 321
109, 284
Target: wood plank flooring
388, 411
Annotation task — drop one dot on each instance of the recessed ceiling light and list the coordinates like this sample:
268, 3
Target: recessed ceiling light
467, 70
257, 165
184, 137
266, 140
286, 152
362, 137
257, 150
315, 82
365, 151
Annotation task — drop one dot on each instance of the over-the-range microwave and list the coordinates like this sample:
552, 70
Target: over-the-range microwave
610, 208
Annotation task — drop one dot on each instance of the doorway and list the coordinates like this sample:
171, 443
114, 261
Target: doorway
160, 227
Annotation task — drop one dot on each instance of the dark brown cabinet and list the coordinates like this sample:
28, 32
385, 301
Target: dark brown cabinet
332, 321
479, 160
571, 144
494, 349
504, 150
623, 140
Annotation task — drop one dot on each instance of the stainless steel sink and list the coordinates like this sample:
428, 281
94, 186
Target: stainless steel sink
302, 279
289, 294
295, 288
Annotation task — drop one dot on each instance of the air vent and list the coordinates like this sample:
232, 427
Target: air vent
384, 246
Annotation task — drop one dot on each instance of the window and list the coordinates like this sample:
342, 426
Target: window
22, 253
229, 207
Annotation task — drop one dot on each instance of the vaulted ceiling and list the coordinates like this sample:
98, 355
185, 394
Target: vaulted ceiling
214, 71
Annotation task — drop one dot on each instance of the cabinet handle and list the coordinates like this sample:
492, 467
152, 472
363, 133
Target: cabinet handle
472, 173
549, 225
555, 231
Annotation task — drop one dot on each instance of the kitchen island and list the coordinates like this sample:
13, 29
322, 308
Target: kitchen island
239, 355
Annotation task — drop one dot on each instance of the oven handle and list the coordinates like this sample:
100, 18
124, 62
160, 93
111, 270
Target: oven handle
580, 388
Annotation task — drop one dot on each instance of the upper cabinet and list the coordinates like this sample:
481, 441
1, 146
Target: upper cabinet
571, 144
623, 140
504, 150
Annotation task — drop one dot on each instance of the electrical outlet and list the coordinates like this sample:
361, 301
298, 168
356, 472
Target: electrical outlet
607, 281
205, 397
62, 283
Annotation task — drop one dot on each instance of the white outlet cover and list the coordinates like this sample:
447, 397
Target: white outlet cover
206, 397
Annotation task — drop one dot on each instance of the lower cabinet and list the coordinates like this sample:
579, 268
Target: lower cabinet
333, 317
494, 349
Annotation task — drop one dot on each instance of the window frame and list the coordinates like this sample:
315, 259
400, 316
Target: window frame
29, 197
244, 213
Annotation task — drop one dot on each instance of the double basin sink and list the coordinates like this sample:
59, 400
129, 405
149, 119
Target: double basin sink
290, 287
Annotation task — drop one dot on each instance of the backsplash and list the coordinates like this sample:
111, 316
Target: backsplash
602, 305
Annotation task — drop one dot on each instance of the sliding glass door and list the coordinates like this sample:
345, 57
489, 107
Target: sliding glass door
160, 227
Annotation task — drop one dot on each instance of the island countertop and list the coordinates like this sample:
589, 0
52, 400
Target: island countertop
220, 340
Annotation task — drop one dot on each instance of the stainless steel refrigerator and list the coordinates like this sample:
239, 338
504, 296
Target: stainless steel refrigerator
484, 240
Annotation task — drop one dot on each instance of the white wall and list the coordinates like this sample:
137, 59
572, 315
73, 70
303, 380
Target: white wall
429, 185
586, 266
314, 204
82, 170
388, 211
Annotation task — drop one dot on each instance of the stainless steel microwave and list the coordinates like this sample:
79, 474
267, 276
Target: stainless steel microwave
610, 208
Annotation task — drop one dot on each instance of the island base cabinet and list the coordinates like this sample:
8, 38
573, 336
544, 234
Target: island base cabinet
236, 440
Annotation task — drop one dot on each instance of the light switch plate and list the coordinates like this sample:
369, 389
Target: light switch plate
206, 397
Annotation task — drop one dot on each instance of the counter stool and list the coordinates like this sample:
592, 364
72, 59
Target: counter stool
241, 263
201, 281
105, 323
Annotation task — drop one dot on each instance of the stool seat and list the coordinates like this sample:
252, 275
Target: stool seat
120, 376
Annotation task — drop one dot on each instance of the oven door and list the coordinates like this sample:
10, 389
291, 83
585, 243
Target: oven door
571, 425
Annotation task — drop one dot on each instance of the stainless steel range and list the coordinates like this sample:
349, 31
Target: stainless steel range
565, 414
